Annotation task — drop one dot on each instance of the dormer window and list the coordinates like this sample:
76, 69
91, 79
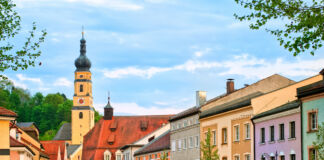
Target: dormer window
144, 125
113, 126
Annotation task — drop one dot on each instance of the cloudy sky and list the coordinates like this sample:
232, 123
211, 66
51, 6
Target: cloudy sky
152, 55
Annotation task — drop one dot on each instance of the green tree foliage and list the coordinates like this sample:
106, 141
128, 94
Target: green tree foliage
209, 151
48, 112
12, 56
303, 20
164, 155
319, 143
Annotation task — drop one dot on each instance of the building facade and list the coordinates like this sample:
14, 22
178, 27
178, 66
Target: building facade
157, 149
312, 97
228, 117
278, 133
6, 116
185, 141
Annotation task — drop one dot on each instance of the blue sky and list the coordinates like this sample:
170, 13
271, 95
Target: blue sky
152, 55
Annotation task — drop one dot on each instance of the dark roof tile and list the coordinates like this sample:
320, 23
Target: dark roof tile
64, 132
159, 144
282, 108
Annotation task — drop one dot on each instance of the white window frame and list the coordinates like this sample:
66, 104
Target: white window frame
247, 131
191, 142
185, 123
236, 155
197, 140
179, 145
245, 156
184, 146
214, 137
173, 145
236, 134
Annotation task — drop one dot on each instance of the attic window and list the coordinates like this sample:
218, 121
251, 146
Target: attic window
113, 126
151, 138
111, 139
144, 125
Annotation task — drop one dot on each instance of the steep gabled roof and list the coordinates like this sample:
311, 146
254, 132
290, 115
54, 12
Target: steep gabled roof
70, 149
7, 113
128, 130
159, 144
64, 133
52, 148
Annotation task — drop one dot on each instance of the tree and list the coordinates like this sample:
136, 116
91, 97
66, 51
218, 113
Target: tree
303, 20
164, 155
209, 151
11, 56
319, 143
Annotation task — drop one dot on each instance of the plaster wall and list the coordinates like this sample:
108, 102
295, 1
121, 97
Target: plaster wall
310, 137
285, 147
192, 130
221, 121
4, 138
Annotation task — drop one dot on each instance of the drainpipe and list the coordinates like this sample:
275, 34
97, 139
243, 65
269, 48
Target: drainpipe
301, 129
253, 139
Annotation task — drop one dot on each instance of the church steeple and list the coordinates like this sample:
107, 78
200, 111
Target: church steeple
82, 63
82, 111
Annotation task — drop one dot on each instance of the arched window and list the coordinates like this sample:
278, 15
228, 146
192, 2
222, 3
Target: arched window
107, 155
80, 115
81, 87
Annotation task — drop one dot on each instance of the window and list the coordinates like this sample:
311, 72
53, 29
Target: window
237, 157
191, 142
185, 123
312, 154
247, 131
185, 143
191, 122
224, 158
292, 157
281, 131
214, 138
179, 145
81, 87
292, 130
107, 155
174, 126
262, 133
179, 125
272, 158
272, 133
237, 133
150, 157
173, 145
80, 115
197, 121
282, 157
224, 136
247, 157
197, 141
312, 121
119, 157
262, 157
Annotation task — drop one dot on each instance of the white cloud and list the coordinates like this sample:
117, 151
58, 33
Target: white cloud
19, 84
63, 82
243, 65
189, 66
132, 108
22, 77
120, 5
202, 52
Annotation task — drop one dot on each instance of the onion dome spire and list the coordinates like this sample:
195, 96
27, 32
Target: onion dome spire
82, 63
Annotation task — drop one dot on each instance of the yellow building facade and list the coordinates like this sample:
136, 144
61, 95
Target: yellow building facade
82, 112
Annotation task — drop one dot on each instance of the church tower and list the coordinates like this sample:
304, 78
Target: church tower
82, 111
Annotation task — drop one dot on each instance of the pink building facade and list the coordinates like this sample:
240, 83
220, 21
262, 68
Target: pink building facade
278, 134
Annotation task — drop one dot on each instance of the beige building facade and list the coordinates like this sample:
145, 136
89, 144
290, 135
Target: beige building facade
228, 117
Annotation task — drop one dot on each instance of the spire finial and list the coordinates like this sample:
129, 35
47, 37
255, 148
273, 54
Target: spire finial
82, 32
108, 97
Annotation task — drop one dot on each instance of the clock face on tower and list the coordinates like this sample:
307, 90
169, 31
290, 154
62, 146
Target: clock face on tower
80, 100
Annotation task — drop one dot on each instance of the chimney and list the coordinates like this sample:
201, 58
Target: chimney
200, 98
230, 85
108, 110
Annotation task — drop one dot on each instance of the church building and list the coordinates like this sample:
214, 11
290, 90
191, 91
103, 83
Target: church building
105, 139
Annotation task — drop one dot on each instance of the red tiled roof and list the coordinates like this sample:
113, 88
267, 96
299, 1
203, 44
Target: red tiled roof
51, 148
159, 144
128, 130
16, 143
7, 113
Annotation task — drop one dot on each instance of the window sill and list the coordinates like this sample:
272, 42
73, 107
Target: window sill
281, 140
312, 131
271, 142
291, 139
236, 141
262, 143
247, 139
224, 143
